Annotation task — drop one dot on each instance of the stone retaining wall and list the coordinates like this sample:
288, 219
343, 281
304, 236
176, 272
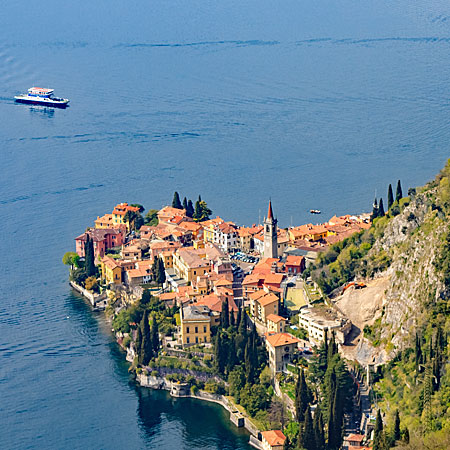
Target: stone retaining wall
93, 298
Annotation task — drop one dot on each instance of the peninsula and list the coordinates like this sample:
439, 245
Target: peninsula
280, 326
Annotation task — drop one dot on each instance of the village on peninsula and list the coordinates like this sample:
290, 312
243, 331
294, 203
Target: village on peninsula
230, 314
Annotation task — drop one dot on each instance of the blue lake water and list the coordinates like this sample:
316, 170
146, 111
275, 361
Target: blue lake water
314, 104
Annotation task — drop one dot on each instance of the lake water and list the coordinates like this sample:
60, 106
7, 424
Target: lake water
314, 104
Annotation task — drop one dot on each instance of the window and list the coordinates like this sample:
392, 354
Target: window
187, 330
187, 340
196, 339
204, 329
196, 330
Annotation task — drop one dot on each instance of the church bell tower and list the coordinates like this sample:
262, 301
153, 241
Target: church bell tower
270, 235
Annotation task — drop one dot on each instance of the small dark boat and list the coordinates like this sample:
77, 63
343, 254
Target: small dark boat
314, 211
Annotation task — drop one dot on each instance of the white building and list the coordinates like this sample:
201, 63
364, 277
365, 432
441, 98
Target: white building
316, 321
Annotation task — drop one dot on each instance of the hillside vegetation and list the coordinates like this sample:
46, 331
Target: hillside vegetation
410, 246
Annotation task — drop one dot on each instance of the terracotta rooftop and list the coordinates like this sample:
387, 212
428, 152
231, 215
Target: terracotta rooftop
267, 299
274, 318
280, 339
274, 437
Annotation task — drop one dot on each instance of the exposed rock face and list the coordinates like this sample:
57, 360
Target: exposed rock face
413, 240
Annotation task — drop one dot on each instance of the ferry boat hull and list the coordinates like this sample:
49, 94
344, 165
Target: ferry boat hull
42, 101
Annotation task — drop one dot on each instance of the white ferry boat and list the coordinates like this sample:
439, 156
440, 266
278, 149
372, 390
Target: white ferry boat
40, 96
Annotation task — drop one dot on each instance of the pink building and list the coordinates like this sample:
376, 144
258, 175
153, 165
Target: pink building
103, 238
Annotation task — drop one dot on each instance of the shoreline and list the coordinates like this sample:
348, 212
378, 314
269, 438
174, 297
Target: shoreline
158, 383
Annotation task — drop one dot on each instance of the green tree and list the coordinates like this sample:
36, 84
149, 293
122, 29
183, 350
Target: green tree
176, 203
390, 197
225, 314
190, 209
236, 380
220, 353
399, 193
134, 219
381, 212
418, 354
374, 210
70, 259
201, 212
138, 205
254, 398
319, 433
154, 336
161, 272
249, 364
151, 218
146, 353
307, 436
185, 204
397, 425
301, 397
89, 257
137, 342
378, 433
146, 297
78, 276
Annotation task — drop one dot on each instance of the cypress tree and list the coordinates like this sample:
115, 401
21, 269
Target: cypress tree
239, 317
225, 314
138, 343
418, 354
155, 267
390, 197
397, 425
308, 438
232, 319
154, 336
406, 435
89, 257
381, 212
332, 348
146, 347
378, 433
190, 209
176, 202
319, 433
242, 324
185, 204
331, 394
161, 273
301, 397
217, 352
248, 363
399, 193
375, 209
198, 211
335, 427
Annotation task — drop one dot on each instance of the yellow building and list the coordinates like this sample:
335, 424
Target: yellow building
195, 325
111, 272
189, 263
167, 258
275, 324
118, 214
208, 228
105, 221
281, 348
262, 304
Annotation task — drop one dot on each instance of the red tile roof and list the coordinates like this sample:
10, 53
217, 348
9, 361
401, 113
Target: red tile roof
280, 339
274, 437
